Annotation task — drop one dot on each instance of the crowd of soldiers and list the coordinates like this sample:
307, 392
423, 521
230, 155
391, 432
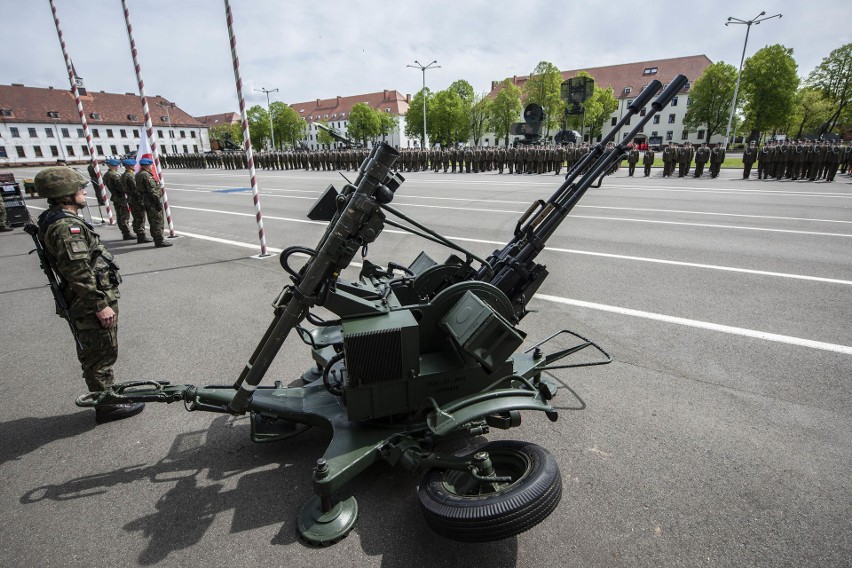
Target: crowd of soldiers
794, 160
797, 160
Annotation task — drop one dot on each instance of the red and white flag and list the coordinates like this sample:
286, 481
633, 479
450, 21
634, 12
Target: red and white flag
144, 151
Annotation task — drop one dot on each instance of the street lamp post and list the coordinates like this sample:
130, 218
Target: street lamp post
269, 112
167, 106
423, 68
748, 25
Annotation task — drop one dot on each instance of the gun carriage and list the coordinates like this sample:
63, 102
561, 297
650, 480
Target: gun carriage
418, 355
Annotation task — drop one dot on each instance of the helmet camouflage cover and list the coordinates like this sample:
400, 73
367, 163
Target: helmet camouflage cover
57, 181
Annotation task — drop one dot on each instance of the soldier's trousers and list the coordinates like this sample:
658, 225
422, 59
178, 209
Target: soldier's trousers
2, 213
154, 210
122, 217
647, 170
630, 169
746, 171
138, 212
699, 169
99, 351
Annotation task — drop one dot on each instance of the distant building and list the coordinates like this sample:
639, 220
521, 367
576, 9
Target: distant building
335, 112
627, 81
212, 120
39, 126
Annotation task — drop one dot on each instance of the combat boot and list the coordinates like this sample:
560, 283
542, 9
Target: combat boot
161, 244
127, 237
110, 412
143, 239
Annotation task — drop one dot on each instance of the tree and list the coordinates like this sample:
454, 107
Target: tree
258, 121
505, 110
769, 82
324, 137
543, 88
480, 112
448, 122
811, 111
289, 126
414, 117
710, 99
364, 123
833, 77
232, 132
598, 107
388, 123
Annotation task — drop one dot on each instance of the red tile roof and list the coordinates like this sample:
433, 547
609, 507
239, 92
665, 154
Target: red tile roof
632, 75
221, 118
342, 106
31, 104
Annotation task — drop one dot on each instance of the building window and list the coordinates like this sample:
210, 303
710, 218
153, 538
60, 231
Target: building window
192, 133
14, 132
95, 116
650, 71
20, 150
32, 132
701, 135
109, 133
113, 150
613, 121
123, 133
65, 133
164, 118
48, 132
656, 119
132, 117
185, 151
669, 135
6, 112
53, 114
96, 133
182, 134
38, 152
629, 102
628, 119
84, 150
135, 133
194, 148
671, 119
99, 150
674, 102
159, 133
627, 90
3, 153
54, 151
126, 149
684, 135
171, 133
69, 150
80, 133
642, 112
654, 133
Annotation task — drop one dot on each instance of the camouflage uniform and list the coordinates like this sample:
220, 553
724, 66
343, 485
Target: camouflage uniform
4, 225
112, 179
135, 202
150, 193
90, 284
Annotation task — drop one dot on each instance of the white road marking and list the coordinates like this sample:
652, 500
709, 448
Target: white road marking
787, 339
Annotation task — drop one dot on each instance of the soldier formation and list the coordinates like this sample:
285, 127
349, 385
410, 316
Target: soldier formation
800, 160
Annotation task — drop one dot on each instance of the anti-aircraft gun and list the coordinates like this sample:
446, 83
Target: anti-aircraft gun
418, 355
337, 136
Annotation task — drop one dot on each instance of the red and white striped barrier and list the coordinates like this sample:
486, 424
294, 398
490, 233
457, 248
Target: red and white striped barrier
82, 114
230, 19
149, 127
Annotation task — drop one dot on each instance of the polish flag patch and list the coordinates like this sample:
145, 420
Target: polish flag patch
75, 230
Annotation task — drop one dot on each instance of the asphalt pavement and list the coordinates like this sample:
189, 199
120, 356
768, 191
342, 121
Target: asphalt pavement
720, 435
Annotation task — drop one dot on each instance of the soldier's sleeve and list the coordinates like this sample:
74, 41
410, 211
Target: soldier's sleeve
71, 244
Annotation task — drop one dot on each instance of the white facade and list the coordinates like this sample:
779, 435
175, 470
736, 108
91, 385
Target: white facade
44, 143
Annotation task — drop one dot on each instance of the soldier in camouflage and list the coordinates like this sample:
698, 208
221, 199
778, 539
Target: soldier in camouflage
112, 180
89, 281
128, 182
4, 225
150, 194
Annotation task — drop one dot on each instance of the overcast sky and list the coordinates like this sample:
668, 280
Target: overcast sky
310, 50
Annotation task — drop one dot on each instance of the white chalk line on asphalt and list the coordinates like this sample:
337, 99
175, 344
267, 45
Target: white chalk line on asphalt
774, 337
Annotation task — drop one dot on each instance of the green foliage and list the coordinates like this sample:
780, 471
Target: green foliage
232, 132
324, 137
289, 126
768, 83
710, 99
447, 119
543, 88
258, 121
414, 117
464, 90
811, 110
388, 123
833, 78
479, 115
505, 109
599, 107
364, 123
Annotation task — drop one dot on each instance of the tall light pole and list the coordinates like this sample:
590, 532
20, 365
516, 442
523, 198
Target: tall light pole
423, 68
748, 25
269, 112
167, 106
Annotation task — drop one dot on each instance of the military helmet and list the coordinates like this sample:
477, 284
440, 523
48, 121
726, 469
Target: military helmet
57, 181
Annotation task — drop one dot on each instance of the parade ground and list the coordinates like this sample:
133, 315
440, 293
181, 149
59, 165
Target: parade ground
720, 435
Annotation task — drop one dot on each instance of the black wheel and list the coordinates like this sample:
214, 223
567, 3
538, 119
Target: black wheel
460, 507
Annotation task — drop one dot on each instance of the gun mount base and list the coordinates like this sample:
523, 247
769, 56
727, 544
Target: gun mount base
324, 526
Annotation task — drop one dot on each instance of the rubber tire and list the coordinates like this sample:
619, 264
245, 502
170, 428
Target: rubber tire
510, 511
